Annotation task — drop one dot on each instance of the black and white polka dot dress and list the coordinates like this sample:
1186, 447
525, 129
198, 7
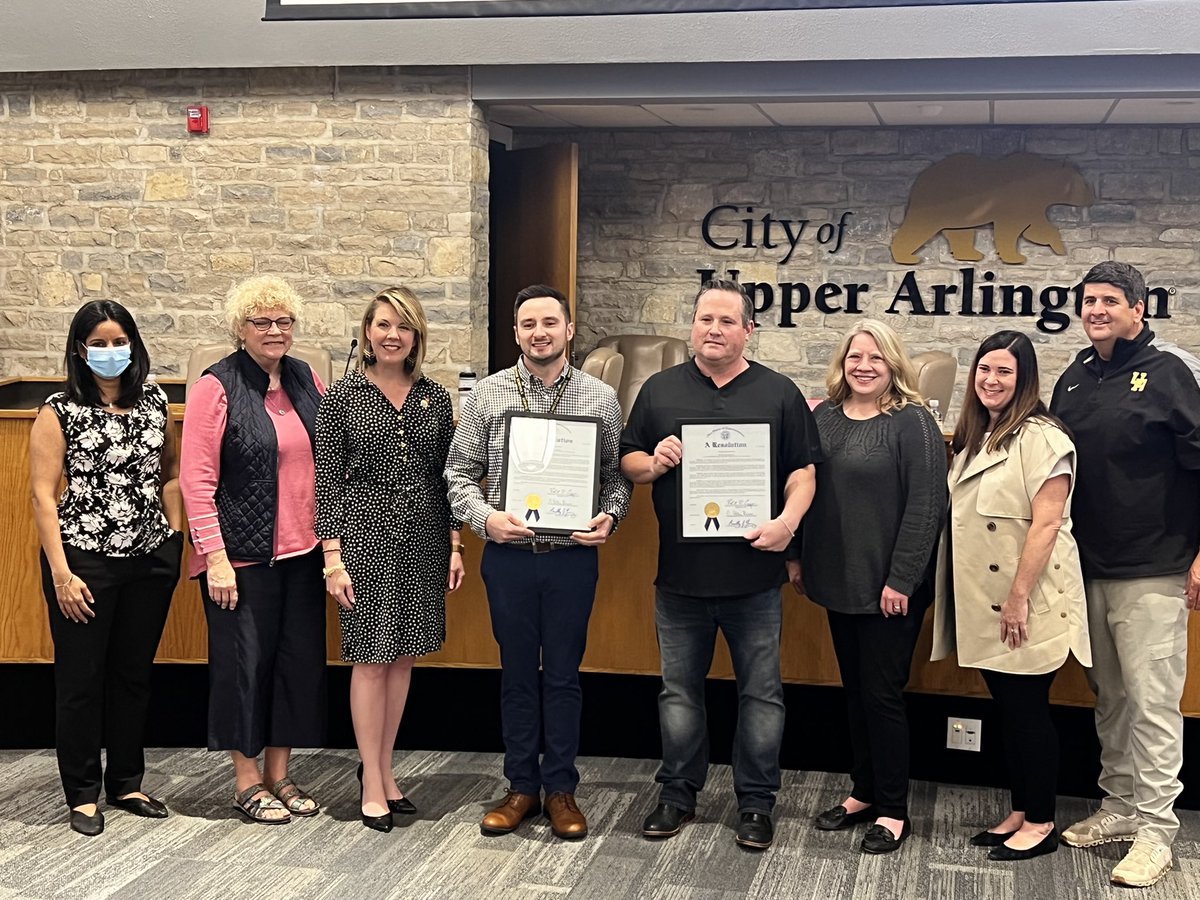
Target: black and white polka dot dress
381, 490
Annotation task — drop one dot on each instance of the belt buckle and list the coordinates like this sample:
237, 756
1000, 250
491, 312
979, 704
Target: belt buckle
541, 546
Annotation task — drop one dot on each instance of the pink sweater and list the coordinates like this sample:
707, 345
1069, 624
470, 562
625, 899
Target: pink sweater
200, 471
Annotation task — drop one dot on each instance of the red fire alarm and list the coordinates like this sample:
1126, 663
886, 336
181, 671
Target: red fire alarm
197, 119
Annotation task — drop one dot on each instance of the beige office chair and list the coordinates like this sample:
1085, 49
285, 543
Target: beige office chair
936, 374
206, 354
606, 364
644, 355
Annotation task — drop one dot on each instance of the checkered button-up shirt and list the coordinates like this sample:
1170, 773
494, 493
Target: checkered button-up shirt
477, 450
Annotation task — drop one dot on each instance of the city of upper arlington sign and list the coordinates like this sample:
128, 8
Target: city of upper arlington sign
443, 9
955, 198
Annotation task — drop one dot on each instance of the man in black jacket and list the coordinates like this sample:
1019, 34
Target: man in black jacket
1132, 402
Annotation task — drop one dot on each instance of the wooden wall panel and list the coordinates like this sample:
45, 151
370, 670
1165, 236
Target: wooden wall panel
621, 639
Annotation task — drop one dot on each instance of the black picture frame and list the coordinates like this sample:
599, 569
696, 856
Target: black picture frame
595, 421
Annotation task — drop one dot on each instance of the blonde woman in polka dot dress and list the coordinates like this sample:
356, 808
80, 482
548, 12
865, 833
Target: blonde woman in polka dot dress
391, 549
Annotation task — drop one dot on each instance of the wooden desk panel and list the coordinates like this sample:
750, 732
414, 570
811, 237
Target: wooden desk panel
621, 638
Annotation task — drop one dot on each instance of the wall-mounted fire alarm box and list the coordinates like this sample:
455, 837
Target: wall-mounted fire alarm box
197, 119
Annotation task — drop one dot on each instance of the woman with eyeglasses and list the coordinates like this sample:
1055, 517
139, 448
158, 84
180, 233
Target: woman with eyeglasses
110, 558
248, 482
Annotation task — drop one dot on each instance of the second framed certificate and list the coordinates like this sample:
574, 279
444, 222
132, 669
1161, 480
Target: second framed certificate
551, 471
727, 481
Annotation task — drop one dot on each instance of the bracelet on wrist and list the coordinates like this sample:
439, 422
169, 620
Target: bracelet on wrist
336, 567
457, 547
70, 578
791, 531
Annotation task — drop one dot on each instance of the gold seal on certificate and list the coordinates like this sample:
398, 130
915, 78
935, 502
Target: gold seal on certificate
711, 511
727, 482
551, 477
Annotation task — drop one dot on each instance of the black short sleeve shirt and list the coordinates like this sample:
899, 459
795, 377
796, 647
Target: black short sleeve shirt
718, 569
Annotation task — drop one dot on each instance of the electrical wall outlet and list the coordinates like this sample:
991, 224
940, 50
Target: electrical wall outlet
963, 734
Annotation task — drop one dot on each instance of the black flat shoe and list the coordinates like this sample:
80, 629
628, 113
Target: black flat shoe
879, 838
837, 818
88, 826
755, 831
990, 838
150, 808
1048, 844
402, 807
665, 821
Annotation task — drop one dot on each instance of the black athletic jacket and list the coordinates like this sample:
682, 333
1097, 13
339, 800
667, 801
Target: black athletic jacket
1136, 424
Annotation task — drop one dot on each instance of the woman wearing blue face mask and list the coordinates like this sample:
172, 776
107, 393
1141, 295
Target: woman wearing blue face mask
110, 557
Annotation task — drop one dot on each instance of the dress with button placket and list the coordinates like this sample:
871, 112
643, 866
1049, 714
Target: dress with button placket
381, 490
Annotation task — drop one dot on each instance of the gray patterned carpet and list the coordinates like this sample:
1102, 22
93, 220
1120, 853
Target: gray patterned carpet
205, 851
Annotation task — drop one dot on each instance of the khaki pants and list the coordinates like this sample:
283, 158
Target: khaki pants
1139, 662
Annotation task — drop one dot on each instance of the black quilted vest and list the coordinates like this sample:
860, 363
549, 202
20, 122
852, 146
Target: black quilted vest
248, 492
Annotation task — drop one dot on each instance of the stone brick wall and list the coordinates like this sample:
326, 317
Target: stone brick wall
643, 195
343, 181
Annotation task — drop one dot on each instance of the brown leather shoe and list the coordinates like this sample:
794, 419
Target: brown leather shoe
505, 818
566, 821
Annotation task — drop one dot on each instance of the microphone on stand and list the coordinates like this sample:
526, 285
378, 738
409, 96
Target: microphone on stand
350, 356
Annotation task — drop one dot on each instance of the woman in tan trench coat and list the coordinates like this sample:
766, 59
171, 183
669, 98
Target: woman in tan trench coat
1009, 588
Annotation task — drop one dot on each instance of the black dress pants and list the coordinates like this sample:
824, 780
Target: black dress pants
102, 667
875, 659
266, 658
1030, 741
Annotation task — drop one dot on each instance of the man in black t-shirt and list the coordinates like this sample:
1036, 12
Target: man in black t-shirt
731, 586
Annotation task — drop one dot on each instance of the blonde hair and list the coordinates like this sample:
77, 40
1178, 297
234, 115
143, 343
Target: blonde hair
256, 295
903, 388
409, 311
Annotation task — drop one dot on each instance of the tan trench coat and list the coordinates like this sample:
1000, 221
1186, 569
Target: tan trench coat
991, 510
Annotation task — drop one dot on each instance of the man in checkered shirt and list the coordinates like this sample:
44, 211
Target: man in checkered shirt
540, 588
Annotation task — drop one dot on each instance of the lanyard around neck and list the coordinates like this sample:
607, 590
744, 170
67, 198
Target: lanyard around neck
562, 387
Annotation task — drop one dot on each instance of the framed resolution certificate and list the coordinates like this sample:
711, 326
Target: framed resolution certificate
727, 480
551, 471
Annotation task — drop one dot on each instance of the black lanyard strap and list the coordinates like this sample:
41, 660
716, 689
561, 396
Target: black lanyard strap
525, 398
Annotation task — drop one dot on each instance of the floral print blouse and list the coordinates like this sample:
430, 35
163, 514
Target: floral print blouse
113, 500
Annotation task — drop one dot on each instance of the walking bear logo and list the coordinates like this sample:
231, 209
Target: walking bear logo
963, 193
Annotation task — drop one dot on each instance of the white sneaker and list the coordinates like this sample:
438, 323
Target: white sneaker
1144, 864
1101, 827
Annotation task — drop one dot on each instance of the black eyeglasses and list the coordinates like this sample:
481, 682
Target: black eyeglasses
283, 323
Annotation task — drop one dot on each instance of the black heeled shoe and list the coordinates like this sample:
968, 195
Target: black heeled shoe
401, 807
378, 823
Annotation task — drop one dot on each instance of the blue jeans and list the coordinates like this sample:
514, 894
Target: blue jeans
687, 633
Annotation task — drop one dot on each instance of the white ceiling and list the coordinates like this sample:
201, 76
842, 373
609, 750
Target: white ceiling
745, 114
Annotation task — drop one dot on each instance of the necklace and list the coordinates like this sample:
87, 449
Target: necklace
274, 401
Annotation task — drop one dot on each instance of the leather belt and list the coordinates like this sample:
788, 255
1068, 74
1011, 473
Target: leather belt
539, 546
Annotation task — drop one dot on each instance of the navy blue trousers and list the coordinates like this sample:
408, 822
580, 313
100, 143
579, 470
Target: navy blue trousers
540, 605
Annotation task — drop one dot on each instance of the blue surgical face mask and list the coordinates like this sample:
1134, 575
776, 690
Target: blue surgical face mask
108, 362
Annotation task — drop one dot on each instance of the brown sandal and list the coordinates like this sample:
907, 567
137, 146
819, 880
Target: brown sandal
254, 808
293, 798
